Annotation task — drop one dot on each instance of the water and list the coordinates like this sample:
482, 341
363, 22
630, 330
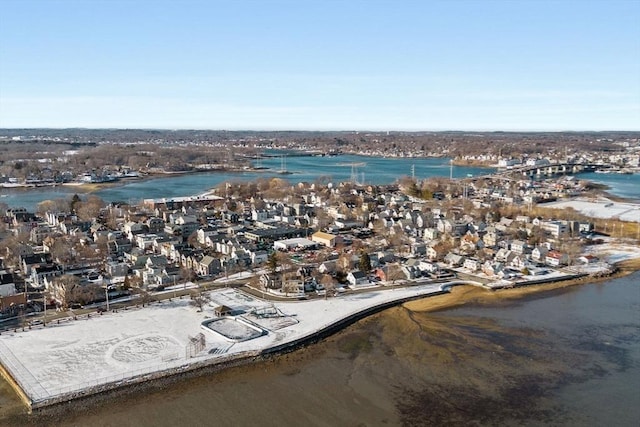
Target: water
568, 357
596, 329
621, 185
370, 170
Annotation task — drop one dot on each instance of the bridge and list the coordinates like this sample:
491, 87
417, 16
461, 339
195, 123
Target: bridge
546, 171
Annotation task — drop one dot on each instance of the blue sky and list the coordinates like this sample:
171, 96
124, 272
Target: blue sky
328, 65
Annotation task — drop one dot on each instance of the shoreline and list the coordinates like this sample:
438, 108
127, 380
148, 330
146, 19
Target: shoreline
447, 298
352, 310
462, 295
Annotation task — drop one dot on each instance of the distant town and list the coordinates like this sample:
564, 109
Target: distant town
37, 157
284, 241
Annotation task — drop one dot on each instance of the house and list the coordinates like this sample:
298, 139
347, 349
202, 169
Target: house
469, 243
432, 253
205, 235
430, 233
187, 225
491, 268
539, 253
556, 258
131, 229
259, 215
116, 269
585, 227
154, 269
155, 225
259, 257
270, 281
241, 257
519, 262
519, 246
7, 283
381, 273
454, 260
40, 273
472, 264
491, 237
145, 241
39, 233
119, 247
428, 267
327, 267
327, 239
505, 255
444, 226
357, 278
30, 261
410, 271
208, 266
418, 248
588, 259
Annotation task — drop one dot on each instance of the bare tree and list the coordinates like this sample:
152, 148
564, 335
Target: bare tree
394, 272
70, 291
56, 205
90, 208
199, 299
144, 296
329, 284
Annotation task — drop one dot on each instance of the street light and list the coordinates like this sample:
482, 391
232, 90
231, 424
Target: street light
44, 304
106, 294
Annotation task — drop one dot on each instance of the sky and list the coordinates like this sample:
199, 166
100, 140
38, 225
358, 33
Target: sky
321, 65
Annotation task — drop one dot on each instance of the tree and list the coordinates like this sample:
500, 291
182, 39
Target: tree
329, 284
273, 263
188, 275
144, 296
62, 250
344, 262
365, 262
55, 205
199, 299
394, 272
71, 291
89, 209
75, 200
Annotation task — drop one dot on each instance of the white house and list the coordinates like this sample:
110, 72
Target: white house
357, 278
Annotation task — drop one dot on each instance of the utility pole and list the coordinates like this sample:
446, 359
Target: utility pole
106, 294
451, 169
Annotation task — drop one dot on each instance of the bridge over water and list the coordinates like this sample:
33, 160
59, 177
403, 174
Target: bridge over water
549, 170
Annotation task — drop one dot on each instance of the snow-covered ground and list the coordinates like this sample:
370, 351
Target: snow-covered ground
601, 208
614, 251
62, 359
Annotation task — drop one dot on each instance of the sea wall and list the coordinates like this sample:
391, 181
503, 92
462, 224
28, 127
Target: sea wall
161, 378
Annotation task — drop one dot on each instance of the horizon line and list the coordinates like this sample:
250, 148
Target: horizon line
167, 129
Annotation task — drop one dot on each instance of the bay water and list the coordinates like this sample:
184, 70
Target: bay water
564, 357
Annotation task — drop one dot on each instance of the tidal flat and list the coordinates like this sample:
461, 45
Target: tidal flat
569, 356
